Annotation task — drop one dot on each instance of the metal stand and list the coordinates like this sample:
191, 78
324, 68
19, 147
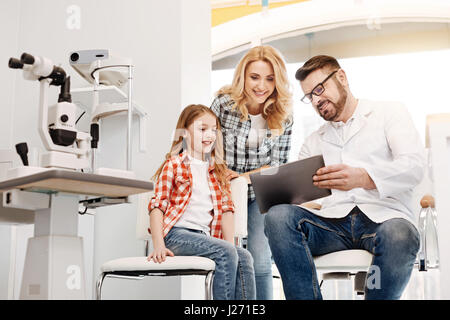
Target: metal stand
96, 77
130, 117
54, 266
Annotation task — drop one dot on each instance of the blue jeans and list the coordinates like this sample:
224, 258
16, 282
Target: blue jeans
234, 278
258, 246
297, 235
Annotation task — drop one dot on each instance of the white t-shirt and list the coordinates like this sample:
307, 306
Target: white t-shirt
197, 214
257, 130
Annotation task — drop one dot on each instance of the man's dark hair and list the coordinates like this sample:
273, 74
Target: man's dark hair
317, 62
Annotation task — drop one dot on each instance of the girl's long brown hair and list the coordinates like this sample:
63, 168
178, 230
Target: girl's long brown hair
187, 117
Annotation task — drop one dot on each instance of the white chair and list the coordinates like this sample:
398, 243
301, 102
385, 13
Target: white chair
347, 263
355, 263
137, 268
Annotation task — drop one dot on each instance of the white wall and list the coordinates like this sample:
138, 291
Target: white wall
9, 17
169, 42
196, 77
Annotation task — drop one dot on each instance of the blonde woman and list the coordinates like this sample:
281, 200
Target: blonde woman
256, 120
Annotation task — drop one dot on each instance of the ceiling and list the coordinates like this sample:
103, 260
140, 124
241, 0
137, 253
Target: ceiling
344, 28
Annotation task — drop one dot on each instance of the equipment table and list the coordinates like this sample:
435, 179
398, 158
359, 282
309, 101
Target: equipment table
54, 263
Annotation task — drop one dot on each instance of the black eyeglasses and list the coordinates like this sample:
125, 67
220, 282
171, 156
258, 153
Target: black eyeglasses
317, 91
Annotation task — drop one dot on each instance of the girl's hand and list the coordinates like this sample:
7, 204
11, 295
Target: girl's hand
159, 254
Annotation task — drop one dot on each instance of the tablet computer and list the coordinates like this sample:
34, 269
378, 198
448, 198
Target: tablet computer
290, 183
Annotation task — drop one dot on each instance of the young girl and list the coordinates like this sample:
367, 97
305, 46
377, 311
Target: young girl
191, 212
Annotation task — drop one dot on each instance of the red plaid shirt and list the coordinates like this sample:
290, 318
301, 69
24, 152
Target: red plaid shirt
173, 191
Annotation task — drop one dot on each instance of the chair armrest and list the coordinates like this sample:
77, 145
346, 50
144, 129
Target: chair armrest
142, 216
312, 205
239, 194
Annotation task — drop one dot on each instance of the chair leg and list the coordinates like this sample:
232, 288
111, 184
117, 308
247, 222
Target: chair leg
360, 282
209, 285
98, 287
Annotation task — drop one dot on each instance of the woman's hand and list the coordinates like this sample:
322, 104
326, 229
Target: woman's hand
231, 175
159, 254
247, 177
248, 173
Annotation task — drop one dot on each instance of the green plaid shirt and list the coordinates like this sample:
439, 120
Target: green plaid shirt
241, 158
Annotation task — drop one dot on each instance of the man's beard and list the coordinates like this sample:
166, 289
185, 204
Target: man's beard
338, 106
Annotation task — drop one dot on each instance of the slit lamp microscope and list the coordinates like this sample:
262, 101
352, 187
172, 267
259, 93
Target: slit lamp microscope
67, 147
50, 194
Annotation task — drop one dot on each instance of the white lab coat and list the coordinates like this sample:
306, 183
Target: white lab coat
382, 139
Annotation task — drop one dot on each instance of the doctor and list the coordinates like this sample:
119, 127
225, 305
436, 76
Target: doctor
373, 160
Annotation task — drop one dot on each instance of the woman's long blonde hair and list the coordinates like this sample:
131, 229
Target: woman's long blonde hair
187, 117
278, 107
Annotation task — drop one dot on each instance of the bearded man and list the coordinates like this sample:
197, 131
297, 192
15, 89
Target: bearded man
373, 160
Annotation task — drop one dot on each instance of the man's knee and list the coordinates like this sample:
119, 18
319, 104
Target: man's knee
277, 217
401, 234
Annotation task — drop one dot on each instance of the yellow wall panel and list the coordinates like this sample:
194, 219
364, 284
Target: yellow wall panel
222, 15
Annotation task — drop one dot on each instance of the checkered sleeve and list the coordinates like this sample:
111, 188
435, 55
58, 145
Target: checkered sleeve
163, 188
280, 150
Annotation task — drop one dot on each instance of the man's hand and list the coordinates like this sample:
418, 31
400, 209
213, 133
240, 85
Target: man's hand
342, 177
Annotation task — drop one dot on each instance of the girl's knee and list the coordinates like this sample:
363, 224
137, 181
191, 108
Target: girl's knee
228, 253
244, 256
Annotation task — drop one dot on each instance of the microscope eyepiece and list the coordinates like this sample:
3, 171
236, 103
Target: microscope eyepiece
26, 58
14, 63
